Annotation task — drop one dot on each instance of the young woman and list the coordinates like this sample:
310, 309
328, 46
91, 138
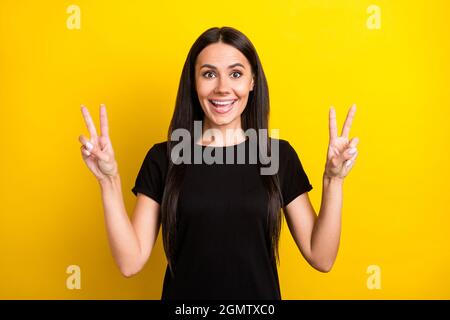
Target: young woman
221, 221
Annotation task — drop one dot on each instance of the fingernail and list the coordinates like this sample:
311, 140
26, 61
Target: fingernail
349, 162
89, 145
352, 150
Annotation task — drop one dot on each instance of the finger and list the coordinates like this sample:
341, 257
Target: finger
86, 143
332, 151
104, 129
105, 144
351, 153
335, 161
88, 120
93, 148
351, 150
85, 152
332, 123
354, 156
348, 121
353, 142
350, 162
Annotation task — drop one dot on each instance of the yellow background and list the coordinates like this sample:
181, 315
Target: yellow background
315, 54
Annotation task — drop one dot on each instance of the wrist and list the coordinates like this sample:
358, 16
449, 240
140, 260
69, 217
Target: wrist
332, 179
109, 180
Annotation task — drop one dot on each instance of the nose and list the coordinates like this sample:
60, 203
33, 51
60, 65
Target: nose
222, 86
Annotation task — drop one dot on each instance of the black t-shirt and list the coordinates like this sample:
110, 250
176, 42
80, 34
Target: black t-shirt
223, 251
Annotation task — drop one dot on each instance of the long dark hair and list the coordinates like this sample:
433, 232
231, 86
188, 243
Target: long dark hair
188, 109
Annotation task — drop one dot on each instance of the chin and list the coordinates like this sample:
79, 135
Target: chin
221, 122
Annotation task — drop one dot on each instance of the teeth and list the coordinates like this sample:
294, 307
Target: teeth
222, 103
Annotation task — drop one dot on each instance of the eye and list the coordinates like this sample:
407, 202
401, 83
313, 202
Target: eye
207, 73
237, 72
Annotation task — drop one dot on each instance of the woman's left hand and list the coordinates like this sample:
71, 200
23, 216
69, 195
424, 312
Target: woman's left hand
342, 153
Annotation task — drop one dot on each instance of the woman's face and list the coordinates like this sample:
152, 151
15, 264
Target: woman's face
223, 79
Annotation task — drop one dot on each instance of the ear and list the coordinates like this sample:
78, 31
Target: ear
253, 83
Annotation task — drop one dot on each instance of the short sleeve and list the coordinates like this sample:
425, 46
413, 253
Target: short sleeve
293, 178
151, 177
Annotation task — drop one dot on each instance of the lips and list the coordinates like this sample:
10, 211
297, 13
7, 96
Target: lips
222, 106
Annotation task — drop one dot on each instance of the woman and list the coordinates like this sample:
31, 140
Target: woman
221, 221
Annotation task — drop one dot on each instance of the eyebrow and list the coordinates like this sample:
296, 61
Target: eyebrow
229, 67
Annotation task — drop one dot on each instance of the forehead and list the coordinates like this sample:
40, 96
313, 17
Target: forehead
220, 55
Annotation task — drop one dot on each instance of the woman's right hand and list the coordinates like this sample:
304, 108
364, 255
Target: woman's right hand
97, 152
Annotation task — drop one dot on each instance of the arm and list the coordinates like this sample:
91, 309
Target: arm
318, 237
132, 241
327, 229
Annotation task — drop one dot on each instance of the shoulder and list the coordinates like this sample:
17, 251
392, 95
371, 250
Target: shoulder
293, 178
288, 158
285, 149
157, 156
283, 143
158, 151
159, 147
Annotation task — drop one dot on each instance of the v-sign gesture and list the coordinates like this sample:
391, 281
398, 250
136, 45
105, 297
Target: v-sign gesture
97, 152
342, 153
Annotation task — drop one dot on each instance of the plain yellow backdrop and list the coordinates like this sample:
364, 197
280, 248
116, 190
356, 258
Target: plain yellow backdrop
315, 54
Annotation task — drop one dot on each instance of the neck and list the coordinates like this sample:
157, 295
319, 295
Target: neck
222, 135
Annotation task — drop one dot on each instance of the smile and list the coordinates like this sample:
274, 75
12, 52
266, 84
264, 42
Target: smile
222, 106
